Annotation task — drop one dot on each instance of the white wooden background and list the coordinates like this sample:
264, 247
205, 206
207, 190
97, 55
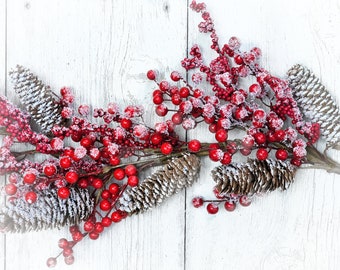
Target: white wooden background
102, 48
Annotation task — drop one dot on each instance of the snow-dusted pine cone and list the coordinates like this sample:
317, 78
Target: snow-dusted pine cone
316, 103
177, 174
37, 98
253, 176
48, 212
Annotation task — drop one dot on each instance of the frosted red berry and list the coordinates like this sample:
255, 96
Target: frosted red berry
229, 206
31, 197
175, 76
197, 202
29, 178
50, 170
51, 262
244, 200
11, 189
212, 208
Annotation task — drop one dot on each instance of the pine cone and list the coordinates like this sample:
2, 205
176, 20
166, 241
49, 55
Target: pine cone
254, 176
37, 98
177, 174
316, 103
48, 212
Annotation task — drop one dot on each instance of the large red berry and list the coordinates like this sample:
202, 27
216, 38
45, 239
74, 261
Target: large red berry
11, 189
281, 154
175, 76
248, 141
133, 181
215, 154
105, 205
262, 154
31, 197
245, 200
86, 142
65, 162
126, 123
119, 174
114, 188
221, 135
98, 227
260, 138
280, 135
212, 208
151, 75
29, 178
164, 86
229, 206
114, 160
116, 216
177, 118
50, 169
88, 226
197, 202
161, 110
166, 148
176, 99
156, 138
106, 221
97, 183
130, 170
71, 177
226, 159
158, 99
64, 192
184, 92
194, 145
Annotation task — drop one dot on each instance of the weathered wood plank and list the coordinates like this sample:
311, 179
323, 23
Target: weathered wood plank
102, 49
297, 229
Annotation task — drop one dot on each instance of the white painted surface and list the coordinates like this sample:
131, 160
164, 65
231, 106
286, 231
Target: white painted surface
102, 49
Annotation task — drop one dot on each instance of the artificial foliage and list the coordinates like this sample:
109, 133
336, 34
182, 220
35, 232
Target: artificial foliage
85, 168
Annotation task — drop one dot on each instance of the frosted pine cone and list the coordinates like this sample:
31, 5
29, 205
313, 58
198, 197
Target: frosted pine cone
316, 103
177, 174
37, 98
48, 212
254, 176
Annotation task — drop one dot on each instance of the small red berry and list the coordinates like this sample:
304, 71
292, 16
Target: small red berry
245, 151
194, 146
177, 118
281, 154
98, 227
29, 178
260, 138
212, 208
229, 206
262, 154
77, 236
215, 154
11, 189
64, 192
280, 135
86, 142
226, 159
238, 59
197, 202
184, 92
156, 138
88, 226
63, 243
296, 162
65, 162
114, 160
31, 197
116, 216
130, 170
106, 194
105, 205
114, 188
94, 235
164, 86
71, 177
51, 262
176, 99
106, 221
151, 75
119, 174
69, 260
158, 99
248, 141
166, 148
244, 200
161, 110
175, 76
97, 183
83, 183
132, 181
221, 135
50, 169
68, 251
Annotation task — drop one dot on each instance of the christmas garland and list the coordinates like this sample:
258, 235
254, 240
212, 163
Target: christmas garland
89, 177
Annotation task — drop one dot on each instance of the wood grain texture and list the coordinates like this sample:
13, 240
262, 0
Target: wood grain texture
102, 50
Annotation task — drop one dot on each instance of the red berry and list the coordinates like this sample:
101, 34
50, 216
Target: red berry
260, 138
83, 183
50, 169
116, 216
151, 75
114, 161
119, 174
10, 189
184, 92
281, 154
31, 197
126, 123
94, 235
194, 146
238, 59
226, 159
29, 178
106, 194
64, 192
114, 188
280, 135
164, 86
86, 142
132, 181
105, 205
166, 148
221, 135
161, 110
130, 170
197, 202
158, 99
51, 262
175, 76
177, 118
296, 162
69, 260
176, 99
215, 154
63, 243
88, 226
71, 177
213, 127
262, 154
77, 236
97, 183
106, 221
65, 162
232, 147
156, 138
244, 200
68, 251
248, 141
212, 208
98, 227
245, 151
157, 92
229, 206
